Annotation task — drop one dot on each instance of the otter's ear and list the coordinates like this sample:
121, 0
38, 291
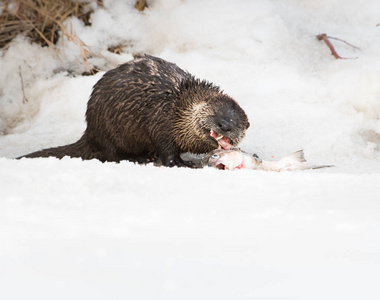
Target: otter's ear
248, 124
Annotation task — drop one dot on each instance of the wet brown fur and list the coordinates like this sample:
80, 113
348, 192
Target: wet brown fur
149, 108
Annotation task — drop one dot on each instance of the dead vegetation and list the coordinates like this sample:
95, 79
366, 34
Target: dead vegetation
141, 5
43, 21
324, 37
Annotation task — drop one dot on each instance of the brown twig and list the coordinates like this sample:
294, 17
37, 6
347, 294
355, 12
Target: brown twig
334, 38
24, 99
324, 37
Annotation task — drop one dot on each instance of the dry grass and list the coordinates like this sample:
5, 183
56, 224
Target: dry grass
141, 5
41, 21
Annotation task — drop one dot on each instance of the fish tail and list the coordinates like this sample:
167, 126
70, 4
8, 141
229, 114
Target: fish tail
298, 155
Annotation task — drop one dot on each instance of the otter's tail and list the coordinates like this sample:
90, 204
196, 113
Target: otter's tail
80, 149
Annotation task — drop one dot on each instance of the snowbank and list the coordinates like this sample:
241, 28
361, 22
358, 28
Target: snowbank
82, 229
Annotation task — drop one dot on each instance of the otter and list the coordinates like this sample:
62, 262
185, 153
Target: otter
149, 109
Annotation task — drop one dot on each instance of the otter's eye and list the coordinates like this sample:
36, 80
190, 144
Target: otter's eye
215, 156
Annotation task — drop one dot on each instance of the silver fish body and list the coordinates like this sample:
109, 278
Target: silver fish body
235, 158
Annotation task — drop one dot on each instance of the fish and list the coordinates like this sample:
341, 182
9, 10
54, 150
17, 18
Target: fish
235, 159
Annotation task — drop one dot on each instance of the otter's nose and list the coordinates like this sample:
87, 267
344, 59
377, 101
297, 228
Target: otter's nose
225, 125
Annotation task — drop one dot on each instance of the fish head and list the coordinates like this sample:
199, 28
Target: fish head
225, 159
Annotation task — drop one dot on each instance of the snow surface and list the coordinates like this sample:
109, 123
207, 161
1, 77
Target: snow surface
72, 229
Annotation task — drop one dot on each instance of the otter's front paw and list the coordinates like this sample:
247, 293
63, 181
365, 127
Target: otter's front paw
176, 161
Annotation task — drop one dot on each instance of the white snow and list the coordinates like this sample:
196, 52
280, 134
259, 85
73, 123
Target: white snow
73, 229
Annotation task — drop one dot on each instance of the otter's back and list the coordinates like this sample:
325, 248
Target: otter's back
130, 101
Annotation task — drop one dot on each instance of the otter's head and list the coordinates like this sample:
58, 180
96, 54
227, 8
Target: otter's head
214, 122
226, 123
